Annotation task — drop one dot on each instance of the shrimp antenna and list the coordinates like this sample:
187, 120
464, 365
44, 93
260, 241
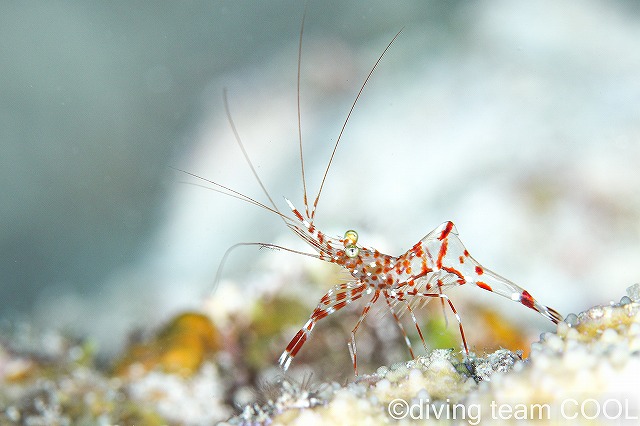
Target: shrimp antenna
231, 193
244, 151
216, 280
344, 125
304, 180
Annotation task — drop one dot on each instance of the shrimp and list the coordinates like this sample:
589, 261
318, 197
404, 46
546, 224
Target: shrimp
434, 264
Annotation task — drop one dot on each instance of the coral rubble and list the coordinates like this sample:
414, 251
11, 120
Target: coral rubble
585, 372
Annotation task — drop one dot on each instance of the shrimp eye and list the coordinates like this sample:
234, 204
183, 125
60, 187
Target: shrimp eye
351, 237
351, 250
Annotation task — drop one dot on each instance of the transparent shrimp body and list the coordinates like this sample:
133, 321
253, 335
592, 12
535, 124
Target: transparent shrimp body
437, 262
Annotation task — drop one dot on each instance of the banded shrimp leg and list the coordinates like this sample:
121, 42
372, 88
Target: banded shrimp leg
337, 298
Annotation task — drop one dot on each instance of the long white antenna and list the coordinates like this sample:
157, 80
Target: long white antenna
304, 180
335, 147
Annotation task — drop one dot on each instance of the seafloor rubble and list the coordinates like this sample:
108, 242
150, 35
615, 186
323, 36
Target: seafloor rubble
585, 372
186, 374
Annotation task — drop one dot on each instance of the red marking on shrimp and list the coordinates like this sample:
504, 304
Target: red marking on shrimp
294, 341
296, 347
340, 305
298, 215
374, 273
425, 270
445, 231
454, 271
318, 314
483, 285
442, 252
527, 300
